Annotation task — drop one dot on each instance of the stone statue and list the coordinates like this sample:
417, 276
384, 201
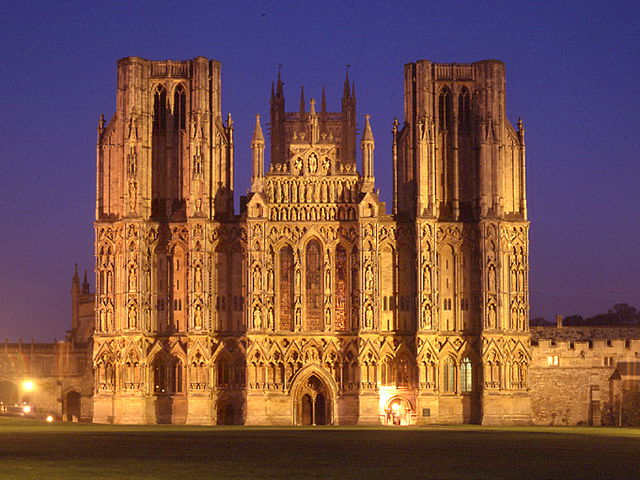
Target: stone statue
198, 279
270, 321
257, 318
133, 280
312, 166
369, 278
368, 316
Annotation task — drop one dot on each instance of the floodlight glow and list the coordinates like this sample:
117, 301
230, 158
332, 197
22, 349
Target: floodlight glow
49, 418
26, 409
28, 385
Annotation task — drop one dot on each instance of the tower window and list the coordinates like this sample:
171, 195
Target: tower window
444, 109
159, 109
464, 111
179, 108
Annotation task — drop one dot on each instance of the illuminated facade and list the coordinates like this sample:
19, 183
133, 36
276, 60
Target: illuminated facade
313, 305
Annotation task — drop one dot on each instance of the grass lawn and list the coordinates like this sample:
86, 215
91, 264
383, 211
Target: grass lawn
34, 450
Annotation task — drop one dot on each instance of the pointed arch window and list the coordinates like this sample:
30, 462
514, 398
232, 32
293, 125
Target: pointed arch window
341, 290
449, 376
159, 109
444, 109
464, 110
314, 287
179, 108
387, 373
403, 372
286, 288
466, 375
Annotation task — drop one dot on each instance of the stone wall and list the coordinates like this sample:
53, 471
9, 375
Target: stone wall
575, 377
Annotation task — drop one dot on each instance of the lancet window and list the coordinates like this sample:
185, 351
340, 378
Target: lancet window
167, 375
466, 375
341, 288
449, 376
403, 372
286, 288
179, 108
178, 287
159, 109
444, 109
314, 288
464, 111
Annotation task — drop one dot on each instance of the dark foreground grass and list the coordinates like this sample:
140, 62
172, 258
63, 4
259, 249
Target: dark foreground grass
34, 450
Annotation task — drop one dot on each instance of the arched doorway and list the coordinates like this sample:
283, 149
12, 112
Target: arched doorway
71, 406
313, 403
398, 412
8, 393
229, 414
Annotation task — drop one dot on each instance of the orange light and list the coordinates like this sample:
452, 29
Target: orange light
28, 385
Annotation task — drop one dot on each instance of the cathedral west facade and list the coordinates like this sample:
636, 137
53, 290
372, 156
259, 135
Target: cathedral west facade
313, 304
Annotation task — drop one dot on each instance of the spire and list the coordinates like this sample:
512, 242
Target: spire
75, 278
367, 135
302, 102
312, 106
85, 284
323, 102
257, 131
257, 151
367, 145
345, 93
279, 92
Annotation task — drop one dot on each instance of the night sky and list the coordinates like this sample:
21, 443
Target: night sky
572, 75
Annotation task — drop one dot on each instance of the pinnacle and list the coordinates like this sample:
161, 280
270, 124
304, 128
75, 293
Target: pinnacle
367, 134
257, 131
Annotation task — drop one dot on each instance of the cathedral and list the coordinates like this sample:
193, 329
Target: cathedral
313, 304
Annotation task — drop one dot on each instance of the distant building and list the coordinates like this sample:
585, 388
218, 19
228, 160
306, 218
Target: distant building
580, 375
54, 378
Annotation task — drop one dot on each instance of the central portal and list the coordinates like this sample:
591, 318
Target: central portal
313, 406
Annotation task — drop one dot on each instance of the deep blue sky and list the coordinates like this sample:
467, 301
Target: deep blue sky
572, 75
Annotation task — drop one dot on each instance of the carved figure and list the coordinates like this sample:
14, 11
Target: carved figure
312, 164
257, 318
133, 280
368, 278
368, 316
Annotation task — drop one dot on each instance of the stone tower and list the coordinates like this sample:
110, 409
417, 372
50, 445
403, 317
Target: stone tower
164, 177
459, 175
313, 305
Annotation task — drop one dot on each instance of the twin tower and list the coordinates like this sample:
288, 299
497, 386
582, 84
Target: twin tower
313, 305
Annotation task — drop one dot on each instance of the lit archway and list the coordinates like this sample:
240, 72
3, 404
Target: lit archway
398, 412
